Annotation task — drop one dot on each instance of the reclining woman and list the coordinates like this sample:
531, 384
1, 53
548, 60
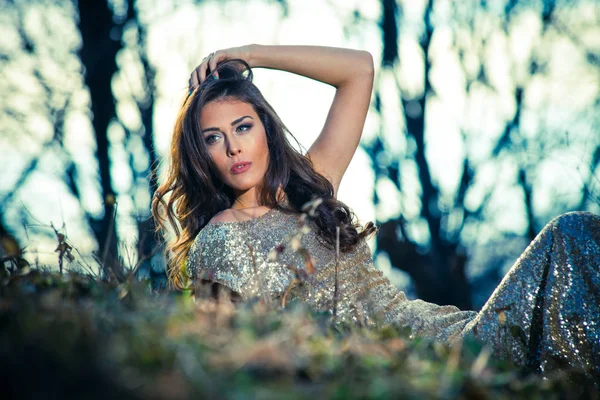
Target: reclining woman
237, 190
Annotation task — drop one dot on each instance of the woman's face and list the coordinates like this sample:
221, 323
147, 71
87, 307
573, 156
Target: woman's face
233, 133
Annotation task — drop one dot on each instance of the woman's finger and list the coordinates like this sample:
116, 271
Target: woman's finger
208, 64
205, 67
195, 78
213, 61
202, 71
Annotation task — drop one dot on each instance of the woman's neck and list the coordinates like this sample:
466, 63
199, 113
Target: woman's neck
241, 204
244, 205
244, 208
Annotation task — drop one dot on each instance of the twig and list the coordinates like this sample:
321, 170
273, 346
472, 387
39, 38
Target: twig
87, 264
292, 285
108, 239
144, 258
337, 258
63, 249
265, 294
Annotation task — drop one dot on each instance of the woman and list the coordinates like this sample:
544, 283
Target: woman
261, 219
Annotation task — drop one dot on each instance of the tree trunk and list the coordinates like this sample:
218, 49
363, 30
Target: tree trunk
439, 275
99, 48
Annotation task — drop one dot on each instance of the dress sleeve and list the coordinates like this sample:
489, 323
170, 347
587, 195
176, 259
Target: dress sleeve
206, 279
194, 266
383, 302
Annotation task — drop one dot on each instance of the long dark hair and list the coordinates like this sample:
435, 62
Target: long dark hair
198, 193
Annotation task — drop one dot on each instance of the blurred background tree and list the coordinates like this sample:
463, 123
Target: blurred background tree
483, 124
526, 107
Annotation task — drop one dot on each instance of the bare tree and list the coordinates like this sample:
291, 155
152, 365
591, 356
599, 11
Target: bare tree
438, 268
101, 30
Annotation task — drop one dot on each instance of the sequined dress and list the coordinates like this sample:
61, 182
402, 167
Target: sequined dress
545, 313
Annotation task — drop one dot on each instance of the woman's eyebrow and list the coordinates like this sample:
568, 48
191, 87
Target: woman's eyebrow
232, 124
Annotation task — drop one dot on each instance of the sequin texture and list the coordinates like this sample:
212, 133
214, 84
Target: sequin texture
543, 315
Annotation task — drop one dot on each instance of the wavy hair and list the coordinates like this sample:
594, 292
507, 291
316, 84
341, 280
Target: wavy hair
197, 192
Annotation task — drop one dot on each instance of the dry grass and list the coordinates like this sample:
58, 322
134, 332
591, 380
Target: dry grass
72, 335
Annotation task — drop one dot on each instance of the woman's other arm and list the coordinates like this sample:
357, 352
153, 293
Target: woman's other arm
349, 71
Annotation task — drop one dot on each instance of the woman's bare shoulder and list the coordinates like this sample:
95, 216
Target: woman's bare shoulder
221, 216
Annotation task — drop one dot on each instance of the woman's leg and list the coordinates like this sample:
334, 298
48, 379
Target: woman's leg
545, 314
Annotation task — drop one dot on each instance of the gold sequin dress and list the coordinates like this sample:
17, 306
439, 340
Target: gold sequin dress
545, 313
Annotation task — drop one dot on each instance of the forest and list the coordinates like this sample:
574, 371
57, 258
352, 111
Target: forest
483, 126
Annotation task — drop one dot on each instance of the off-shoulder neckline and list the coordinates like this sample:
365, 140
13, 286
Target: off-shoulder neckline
246, 221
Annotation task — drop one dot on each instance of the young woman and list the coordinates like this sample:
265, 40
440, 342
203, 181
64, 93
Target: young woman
238, 189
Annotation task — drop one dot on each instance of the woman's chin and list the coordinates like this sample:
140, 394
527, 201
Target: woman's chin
241, 187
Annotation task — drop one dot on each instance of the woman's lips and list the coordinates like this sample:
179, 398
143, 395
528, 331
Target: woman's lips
243, 168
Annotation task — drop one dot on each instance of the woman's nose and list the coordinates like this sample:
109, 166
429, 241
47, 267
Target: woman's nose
234, 148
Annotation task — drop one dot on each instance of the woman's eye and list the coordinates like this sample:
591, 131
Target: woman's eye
244, 126
209, 138
213, 138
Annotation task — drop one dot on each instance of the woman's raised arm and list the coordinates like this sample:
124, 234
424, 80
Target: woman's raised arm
349, 71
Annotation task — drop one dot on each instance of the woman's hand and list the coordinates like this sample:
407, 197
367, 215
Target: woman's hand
210, 62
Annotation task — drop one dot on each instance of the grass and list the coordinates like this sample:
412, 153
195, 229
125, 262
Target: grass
71, 335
